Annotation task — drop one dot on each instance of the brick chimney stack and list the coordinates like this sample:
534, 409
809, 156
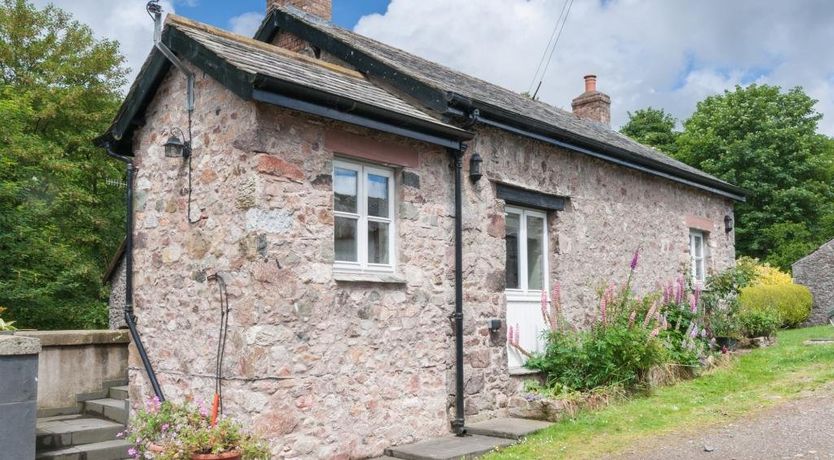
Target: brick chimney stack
320, 8
592, 104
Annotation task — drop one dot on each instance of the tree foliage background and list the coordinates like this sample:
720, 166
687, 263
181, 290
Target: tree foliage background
764, 140
60, 221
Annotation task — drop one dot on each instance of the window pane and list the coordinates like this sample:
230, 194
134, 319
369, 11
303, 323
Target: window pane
377, 243
699, 270
377, 195
344, 188
535, 253
345, 230
512, 224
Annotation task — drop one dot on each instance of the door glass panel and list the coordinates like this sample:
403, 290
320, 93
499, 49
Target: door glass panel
512, 240
535, 253
345, 236
377, 242
377, 195
344, 188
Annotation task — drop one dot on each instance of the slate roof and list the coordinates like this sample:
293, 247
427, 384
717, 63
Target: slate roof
259, 58
454, 82
246, 65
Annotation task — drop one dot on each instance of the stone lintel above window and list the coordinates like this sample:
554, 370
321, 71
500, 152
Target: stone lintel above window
363, 147
699, 223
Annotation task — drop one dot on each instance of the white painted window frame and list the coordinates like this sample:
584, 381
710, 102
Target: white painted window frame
523, 293
698, 259
361, 216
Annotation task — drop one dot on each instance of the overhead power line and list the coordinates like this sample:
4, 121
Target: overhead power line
550, 49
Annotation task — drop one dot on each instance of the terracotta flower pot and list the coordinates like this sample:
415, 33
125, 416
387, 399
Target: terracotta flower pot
232, 455
155, 448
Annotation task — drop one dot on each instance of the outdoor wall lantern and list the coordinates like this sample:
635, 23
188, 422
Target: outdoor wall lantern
728, 223
175, 147
475, 167
494, 325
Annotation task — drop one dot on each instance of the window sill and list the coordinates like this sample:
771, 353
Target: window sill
367, 277
522, 371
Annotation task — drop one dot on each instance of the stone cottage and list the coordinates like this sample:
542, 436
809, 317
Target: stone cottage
371, 215
815, 272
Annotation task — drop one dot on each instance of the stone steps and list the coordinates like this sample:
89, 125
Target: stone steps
55, 434
114, 409
107, 450
482, 438
87, 436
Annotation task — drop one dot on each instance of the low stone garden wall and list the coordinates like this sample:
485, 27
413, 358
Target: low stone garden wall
77, 364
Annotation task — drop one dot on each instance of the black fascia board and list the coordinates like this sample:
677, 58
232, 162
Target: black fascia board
432, 98
393, 121
525, 126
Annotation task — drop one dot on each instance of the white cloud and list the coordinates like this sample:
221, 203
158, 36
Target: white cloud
247, 23
668, 54
124, 20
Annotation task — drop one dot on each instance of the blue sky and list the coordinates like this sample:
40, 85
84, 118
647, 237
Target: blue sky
219, 12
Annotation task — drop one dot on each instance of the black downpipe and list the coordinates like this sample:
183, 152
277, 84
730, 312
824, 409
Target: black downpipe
458, 424
130, 319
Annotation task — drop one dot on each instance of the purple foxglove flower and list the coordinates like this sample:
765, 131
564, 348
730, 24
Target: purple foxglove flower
635, 260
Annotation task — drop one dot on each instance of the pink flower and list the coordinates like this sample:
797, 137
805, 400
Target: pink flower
510, 335
650, 314
516, 336
679, 291
693, 303
133, 452
698, 293
545, 314
655, 332
631, 318
153, 404
165, 427
603, 306
635, 260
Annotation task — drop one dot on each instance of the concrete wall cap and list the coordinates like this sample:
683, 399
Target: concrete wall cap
11, 345
66, 338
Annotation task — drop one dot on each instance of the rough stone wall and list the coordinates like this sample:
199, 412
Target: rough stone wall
815, 272
343, 370
326, 370
116, 304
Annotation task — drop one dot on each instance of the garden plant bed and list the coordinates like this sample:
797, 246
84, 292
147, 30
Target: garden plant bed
750, 382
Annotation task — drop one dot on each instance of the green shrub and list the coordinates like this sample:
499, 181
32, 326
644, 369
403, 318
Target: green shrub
608, 355
792, 301
759, 322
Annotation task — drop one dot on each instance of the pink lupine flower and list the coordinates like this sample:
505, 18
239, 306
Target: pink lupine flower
545, 313
650, 314
516, 336
510, 335
655, 332
603, 306
698, 290
631, 318
693, 303
635, 260
679, 291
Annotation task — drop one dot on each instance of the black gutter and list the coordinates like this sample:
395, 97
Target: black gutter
488, 117
357, 117
130, 319
458, 424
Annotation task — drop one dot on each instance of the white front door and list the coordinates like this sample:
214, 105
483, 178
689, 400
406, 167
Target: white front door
527, 270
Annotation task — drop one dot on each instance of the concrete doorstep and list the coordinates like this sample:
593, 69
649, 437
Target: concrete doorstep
483, 438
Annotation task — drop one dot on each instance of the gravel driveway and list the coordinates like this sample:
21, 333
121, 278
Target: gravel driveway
802, 428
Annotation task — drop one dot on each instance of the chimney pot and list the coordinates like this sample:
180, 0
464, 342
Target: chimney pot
592, 104
590, 83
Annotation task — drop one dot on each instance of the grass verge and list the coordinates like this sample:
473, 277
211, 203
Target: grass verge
752, 381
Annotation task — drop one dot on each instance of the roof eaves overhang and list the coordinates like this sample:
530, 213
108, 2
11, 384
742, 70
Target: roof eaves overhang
531, 128
250, 86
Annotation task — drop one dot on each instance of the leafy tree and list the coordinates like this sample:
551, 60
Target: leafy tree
654, 127
59, 220
765, 140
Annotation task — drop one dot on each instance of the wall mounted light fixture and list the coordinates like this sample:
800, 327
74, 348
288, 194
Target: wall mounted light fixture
728, 223
175, 147
475, 163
